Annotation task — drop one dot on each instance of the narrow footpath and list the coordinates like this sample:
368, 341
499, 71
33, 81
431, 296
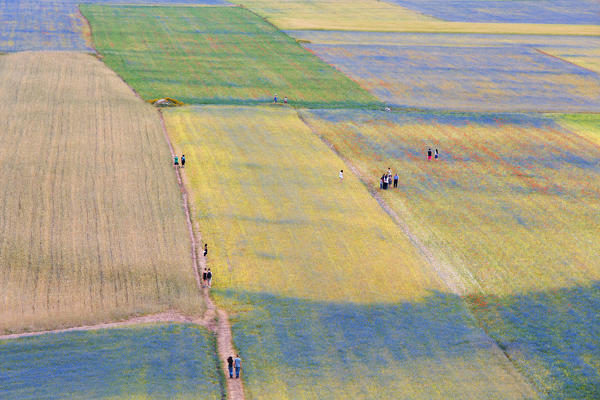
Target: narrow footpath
214, 319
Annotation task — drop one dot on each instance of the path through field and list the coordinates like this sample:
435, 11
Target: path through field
214, 319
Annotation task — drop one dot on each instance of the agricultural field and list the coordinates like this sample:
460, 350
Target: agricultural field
91, 223
497, 73
514, 11
148, 362
514, 201
388, 16
223, 55
328, 298
53, 24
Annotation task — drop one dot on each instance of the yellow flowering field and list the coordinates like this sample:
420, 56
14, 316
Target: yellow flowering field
328, 298
91, 223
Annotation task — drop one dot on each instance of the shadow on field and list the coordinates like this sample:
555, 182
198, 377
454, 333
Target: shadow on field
553, 336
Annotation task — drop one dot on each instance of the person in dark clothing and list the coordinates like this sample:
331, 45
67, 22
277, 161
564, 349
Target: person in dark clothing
204, 273
209, 278
230, 366
205, 249
176, 161
396, 177
429, 154
183, 161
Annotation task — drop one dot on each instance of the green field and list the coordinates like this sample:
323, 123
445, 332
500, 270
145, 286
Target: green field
222, 55
91, 224
513, 204
329, 299
147, 362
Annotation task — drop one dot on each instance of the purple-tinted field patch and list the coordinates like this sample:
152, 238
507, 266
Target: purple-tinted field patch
522, 11
492, 78
54, 25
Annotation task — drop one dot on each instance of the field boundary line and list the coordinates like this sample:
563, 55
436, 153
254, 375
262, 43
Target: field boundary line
564, 60
215, 319
167, 316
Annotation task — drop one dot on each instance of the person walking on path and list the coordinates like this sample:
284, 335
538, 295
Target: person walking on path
205, 249
396, 177
436, 156
183, 161
429, 154
275, 98
176, 161
285, 100
204, 277
209, 278
230, 366
238, 366
341, 175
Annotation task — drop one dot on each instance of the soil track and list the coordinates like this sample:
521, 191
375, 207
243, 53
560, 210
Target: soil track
167, 316
214, 319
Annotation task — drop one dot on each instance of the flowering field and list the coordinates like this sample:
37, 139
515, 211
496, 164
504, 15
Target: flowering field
389, 16
514, 199
91, 224
329, 299
214, 55
53, 24
500, 73
521, 11
151, 362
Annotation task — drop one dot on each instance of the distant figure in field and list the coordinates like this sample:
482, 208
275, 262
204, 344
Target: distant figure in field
384, 181
183, 161
230, 366
381, 181
275, 98
429, 154
285, 100
176, 161
238, 366
209, 278
205, 249
341, 175
437, 155
396, 177
204, 278
389, 171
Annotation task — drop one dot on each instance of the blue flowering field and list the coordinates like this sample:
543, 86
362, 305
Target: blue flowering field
150, 362
463, 72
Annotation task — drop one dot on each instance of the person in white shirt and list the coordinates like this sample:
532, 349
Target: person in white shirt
341, 175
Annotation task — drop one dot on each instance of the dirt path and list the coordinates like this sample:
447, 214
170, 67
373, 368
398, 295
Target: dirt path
167, 316
215, 319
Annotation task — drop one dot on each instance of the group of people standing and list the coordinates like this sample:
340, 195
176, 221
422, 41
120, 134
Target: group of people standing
276, 100
176, 161
387, 179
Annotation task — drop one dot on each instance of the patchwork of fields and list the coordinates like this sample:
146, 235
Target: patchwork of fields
150, 362
92, 227
389, 16
507, 193
54, 24
324, 287
214, 55
464, 72
335, 289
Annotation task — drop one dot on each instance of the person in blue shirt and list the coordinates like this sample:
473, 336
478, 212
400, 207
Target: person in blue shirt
238, 365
